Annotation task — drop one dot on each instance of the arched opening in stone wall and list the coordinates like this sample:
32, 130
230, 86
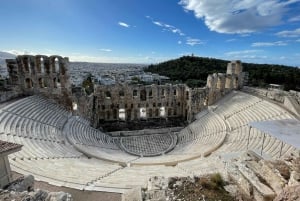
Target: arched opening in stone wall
156, 112
150, 113
122, 114
74, 106
128, 113
143, 95
107, 95
134, 93
46, 82
42, 65
56, 82
162, 111
135, 114
41, 83
115, 114
107, 115
47, 66
28, 83
163, 93
143, 113
121, 94
27, 65
150, 93
56, 65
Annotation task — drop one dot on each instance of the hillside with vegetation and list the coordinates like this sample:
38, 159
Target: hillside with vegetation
194, 70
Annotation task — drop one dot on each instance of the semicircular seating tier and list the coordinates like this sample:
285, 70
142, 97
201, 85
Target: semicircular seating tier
58, 147
238, 110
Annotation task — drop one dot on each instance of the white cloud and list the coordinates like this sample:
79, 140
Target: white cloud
244, 35
269, 44
231, 40
282, 57
166, 27
123, 24
105, 50
194, 41
158, 23
289, 34
298, 40
242, 52
179, 42
295, 19
247, 55
238, 16
23, 52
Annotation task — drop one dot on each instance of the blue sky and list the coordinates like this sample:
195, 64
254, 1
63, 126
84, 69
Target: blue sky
151, 31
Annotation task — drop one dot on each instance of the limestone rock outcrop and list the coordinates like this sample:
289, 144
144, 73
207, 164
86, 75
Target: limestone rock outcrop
25, 183
289, 194
23, 189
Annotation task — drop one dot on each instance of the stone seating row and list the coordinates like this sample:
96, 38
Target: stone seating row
241, 115
139, 175
40, 149
24, 127
31, 108
66, 171
206, 125
49, 104
81, 133
61, 164
239, 139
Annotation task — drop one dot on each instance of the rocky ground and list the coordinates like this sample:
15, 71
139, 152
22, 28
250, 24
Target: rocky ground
247, 177
22, 189
208, 188
38, 195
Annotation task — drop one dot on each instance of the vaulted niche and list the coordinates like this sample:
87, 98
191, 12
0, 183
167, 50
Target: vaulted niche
122, 114
143, 113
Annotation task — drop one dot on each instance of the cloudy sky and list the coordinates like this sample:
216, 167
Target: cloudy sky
150, 31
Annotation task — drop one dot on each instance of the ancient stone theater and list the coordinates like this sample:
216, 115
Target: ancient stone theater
121, 135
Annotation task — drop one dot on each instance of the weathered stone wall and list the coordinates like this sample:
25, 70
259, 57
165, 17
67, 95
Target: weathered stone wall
288, 99
7, 95
49, 76
219, 84
276, 95
41, 75
135, 102
128, 102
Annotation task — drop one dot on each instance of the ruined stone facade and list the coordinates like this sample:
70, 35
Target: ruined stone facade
137, 102
219, 84
126, 102
41, 75
119, 102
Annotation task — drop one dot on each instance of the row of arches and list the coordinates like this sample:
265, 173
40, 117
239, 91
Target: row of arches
42, 64
139, 113
143, 94
42, 83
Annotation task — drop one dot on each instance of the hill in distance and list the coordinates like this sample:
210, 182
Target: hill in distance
194, 70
